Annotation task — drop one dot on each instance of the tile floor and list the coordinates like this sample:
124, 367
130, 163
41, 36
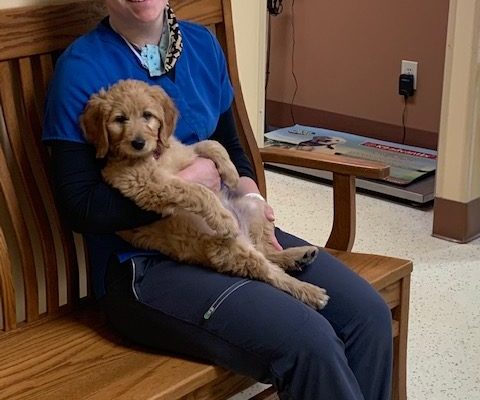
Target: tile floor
444, 333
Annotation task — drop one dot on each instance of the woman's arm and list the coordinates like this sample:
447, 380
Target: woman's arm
226, 134
204, 171
87, 203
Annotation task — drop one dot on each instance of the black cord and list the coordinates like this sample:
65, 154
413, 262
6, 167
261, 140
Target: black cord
275, 7
293, 63
404, 116
269, 39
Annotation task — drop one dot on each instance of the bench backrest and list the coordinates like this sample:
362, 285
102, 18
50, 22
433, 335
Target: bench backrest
43, 271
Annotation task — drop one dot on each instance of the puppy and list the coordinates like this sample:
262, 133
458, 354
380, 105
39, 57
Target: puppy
131, 125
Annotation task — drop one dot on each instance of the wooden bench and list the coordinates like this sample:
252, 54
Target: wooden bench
54, 344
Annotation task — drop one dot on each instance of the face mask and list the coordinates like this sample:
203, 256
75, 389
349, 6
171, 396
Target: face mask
150, 55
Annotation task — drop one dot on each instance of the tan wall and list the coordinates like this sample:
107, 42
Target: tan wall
250, 19
348, 55
458, 174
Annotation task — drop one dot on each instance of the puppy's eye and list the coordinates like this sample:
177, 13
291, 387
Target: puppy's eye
120, 119
147, 115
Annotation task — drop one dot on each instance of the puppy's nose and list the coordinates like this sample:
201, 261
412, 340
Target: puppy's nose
138, 143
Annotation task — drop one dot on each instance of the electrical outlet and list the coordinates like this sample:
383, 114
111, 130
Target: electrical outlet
410, 68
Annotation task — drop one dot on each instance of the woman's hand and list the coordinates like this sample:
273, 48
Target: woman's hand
270, 215
204, 172
247, 185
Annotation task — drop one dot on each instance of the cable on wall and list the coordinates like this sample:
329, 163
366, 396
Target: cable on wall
404, 118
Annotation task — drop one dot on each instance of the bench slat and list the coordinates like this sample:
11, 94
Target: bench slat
26, 149
7, 291
21, 236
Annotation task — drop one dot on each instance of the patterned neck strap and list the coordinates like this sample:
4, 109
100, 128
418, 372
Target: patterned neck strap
176, 44
169, 48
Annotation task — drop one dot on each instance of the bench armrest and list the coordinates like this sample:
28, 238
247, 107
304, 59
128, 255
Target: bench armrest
326, 162
345, 170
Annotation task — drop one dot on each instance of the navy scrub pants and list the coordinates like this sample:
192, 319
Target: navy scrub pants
343, 352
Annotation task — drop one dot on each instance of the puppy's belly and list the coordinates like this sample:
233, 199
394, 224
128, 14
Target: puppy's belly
184, 236
246, 210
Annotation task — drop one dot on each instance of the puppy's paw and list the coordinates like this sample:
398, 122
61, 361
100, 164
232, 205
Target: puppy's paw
312, 295
308, 257
229, 176
295, 258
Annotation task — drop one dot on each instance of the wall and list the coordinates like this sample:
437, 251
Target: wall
347, 62
250, 19
457, 197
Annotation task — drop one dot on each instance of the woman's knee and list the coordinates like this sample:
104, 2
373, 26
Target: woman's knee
314, 345
313, 364
372, 321
378, 316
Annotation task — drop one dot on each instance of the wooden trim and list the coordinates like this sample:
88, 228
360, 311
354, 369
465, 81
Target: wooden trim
455, 221
279, 114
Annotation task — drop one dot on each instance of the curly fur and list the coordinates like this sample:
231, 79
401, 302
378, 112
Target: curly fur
131, 124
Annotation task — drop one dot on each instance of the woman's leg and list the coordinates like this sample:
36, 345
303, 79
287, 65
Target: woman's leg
255, 329
359, 316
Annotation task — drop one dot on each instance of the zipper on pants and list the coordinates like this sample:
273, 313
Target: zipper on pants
223, 296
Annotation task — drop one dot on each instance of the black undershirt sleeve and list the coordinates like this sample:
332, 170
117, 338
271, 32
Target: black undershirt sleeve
86, 202
226, 134
89, 205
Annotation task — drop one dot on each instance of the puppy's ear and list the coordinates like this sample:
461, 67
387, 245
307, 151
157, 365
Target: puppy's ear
93, 122
170, 114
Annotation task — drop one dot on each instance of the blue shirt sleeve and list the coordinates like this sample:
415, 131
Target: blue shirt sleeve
66, 98
226, 91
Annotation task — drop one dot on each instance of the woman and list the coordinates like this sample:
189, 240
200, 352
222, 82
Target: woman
342, 352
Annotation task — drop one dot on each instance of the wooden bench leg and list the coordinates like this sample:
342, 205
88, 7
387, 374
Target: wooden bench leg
400, 314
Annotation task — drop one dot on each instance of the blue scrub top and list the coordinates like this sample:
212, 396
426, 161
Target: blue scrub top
201, 91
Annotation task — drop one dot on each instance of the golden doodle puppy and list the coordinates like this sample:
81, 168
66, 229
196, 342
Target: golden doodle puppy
132, 125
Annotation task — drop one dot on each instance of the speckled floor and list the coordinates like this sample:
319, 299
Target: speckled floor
444, 332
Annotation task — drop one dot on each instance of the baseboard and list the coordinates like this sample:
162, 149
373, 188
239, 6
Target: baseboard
455, 221
280, 114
